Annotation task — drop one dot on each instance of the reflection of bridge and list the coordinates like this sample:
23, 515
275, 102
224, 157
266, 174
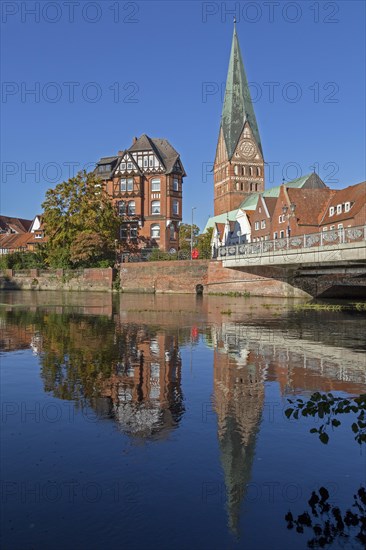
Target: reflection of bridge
316, 263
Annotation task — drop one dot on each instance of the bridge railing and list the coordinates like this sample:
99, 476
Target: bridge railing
287, 244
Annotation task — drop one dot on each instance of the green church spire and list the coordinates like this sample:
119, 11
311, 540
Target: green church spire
238, 107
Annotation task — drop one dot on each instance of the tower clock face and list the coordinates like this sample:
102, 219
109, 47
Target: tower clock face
247, 149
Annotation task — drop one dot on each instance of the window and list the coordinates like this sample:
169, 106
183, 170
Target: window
256, 225
155, 184
130, 184
38, 236
104, 168
236, 170
172, 232
155, 207
133, 232
151, 161
340, 226
275, 235
175, 184
131, 208
281, 218
282, 234
251, 170
123, 233
332, 227
122, 208
123, 166
155, 231
175, 208
263, 224
129, 166
145, 162
258, 171
325, 229
347, 206
331, 211
339, 209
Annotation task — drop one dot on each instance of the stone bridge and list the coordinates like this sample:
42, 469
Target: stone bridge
325, 264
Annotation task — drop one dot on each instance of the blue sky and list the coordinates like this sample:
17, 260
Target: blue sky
106, 71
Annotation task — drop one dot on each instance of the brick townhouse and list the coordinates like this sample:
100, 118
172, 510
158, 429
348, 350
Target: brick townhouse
145, 183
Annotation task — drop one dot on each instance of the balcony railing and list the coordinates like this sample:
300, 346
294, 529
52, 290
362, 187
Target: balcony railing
287, 244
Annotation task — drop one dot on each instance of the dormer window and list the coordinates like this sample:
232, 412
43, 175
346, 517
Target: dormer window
339, 209
331, 211
104, 168
347, 206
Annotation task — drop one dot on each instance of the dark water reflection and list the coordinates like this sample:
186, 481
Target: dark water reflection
157, 421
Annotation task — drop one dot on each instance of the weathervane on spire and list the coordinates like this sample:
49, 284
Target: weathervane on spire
234, 22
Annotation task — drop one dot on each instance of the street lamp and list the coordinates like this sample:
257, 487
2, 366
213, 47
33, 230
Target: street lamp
193, 208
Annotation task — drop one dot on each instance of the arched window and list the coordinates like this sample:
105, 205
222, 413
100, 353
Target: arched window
155, 184
121, 208
251, 187
243, 170
251, 170
131, 208
236, 170
155, 207
258, 171
155, 231
256, 186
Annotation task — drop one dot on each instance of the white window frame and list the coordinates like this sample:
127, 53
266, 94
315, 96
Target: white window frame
155, 205
175, 184
347, 206
282, 234
155, 229
129, 205
256, 225
331, 211
129, 184
123, 185
175, 207
263, 224
339, 209
155, 185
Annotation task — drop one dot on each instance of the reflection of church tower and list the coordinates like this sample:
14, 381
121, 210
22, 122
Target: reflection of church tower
239, 397
239, 164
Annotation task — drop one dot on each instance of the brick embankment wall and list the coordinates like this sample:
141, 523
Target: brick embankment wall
59, 279
185, 276
264, 281
164, 277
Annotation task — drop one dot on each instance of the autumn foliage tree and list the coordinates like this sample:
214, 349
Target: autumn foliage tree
80, 222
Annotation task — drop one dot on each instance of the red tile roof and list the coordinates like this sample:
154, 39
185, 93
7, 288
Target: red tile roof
354, 194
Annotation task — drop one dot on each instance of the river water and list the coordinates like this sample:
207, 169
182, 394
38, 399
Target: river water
150, 422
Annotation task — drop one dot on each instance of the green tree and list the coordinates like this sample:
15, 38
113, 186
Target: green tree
185, 236
204, 244
78, 212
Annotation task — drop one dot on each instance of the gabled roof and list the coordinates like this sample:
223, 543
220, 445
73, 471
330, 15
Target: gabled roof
355, 194
310, 204
20, 225
221, 218
238, 107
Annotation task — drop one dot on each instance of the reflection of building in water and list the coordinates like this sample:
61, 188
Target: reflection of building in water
146, 387
239, 397
244, 357
296, 363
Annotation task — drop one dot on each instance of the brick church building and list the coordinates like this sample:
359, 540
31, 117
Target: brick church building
145, 183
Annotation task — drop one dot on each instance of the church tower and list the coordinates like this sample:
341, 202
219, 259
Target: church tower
239, 164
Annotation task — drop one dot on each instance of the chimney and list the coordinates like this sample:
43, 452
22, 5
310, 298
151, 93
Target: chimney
134, 140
